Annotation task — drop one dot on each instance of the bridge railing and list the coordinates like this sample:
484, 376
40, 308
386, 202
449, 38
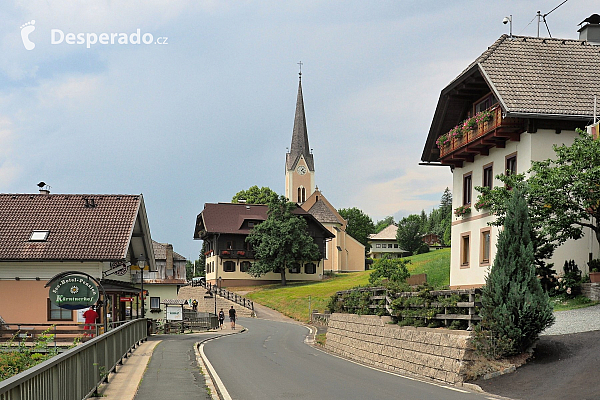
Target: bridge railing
77, 373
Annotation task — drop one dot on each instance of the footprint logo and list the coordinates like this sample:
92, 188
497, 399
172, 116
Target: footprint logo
26, 29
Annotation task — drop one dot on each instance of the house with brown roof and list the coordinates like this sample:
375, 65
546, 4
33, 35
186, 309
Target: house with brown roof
42, 235
508, 108
163, 283
224, 228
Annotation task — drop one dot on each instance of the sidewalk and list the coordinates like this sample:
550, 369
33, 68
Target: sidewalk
125, 383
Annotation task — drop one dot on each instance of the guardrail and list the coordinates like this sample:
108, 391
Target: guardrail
77, 373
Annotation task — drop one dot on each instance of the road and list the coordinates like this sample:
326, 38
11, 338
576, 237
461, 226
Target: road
271, 361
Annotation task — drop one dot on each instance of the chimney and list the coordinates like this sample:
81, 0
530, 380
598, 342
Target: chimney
590, 32
169, 261
44, 191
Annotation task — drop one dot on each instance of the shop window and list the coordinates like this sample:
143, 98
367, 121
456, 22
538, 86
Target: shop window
465, 249
488, 176
155, 303
245, 266
55, 313
229, 266
310, 268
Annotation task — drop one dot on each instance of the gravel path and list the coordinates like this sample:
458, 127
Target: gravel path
575, 321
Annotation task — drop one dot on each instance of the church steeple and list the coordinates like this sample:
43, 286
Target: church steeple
300, 146
299, 162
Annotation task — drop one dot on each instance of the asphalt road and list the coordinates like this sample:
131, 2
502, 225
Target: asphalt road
271, 361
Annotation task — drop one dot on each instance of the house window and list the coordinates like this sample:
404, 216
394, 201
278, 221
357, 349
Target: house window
310, 268
467, 189
488, 176
378, 245
485, 103
39, 236
155, 303
511, 164
395, 245
250, 224
229, 266
294, 268
230, 245
55, 313
465, 249
485, 245
244, 266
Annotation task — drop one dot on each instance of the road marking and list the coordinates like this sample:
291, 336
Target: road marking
224, 393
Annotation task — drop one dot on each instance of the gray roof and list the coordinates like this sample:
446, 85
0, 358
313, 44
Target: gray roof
299, 146
322, 213
541, 78
160, 252
387, 233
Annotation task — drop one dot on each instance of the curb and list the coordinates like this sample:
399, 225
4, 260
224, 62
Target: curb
214, 391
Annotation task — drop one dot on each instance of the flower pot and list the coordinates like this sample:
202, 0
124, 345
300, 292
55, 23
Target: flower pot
595, 277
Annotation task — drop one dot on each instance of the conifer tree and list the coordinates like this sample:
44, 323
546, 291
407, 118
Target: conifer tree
515, 309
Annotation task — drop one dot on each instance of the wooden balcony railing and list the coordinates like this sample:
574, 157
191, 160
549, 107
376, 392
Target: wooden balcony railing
492, 133
239, 253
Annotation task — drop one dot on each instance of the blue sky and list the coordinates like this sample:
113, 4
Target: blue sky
211, 112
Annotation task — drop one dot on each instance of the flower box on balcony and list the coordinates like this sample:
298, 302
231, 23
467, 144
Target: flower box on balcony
241, 253
225, 252
463, 210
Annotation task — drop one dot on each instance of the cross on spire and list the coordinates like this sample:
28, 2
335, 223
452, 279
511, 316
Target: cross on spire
300, 73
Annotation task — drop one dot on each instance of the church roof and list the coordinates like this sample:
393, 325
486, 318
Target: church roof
299, 145
322, 213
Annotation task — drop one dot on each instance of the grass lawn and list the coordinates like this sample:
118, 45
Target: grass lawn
293, 299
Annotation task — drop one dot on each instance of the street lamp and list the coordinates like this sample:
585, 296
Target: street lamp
142, 265
216, 290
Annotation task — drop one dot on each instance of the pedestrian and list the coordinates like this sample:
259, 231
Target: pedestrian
221, 318
90, 318
232, 317
195, 305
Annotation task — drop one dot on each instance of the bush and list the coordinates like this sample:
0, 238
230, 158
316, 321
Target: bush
568, 285
392, 269
424, 248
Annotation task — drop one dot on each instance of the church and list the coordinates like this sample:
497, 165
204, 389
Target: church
343, 253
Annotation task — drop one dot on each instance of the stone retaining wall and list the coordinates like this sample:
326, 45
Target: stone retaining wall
591, 290
439, 354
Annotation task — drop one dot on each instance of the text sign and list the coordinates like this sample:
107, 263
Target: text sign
74, 292
126, 299
175, 313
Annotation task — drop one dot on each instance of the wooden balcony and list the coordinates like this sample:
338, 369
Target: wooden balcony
240, 253
478, 141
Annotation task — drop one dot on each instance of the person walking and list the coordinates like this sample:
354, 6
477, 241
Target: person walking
90, 318
232, 317
221, 318
195, 305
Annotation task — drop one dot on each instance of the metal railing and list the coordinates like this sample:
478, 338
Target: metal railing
76, 373
226, 294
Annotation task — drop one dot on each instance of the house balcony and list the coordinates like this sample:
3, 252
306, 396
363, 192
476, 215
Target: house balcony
236, 253
481, 137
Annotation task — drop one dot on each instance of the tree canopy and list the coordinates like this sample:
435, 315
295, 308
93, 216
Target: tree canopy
392, 269
409, 234
360, 225
384, 223
256, 195
281, 241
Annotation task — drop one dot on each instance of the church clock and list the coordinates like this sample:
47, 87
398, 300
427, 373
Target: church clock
301, 169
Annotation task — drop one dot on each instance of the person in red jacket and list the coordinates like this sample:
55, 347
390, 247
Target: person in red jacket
90, 318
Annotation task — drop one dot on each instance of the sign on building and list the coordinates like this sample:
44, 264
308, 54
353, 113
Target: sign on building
175, 313
73, 292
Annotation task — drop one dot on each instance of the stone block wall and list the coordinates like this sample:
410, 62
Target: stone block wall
438, 354
591, 290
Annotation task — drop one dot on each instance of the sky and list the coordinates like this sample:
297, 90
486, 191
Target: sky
206, 108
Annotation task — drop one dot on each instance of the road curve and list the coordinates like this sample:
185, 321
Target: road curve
271, 361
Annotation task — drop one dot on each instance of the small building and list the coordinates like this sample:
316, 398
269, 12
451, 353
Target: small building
224, 228
42, 235
163, 284
385, 243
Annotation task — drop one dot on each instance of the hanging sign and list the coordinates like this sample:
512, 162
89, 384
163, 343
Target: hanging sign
73, 292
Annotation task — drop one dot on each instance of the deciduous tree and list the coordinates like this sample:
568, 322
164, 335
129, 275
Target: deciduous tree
281, 240
360, 225
256, 195
409, 235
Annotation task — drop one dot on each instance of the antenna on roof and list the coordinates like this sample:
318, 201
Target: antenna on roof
543, 17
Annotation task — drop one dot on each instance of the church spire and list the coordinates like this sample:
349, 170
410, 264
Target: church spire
300, 146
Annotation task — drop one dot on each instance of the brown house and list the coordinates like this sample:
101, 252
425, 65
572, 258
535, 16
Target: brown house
44, 234
225, 226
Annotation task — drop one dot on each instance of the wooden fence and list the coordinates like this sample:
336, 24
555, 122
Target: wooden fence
442, 305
